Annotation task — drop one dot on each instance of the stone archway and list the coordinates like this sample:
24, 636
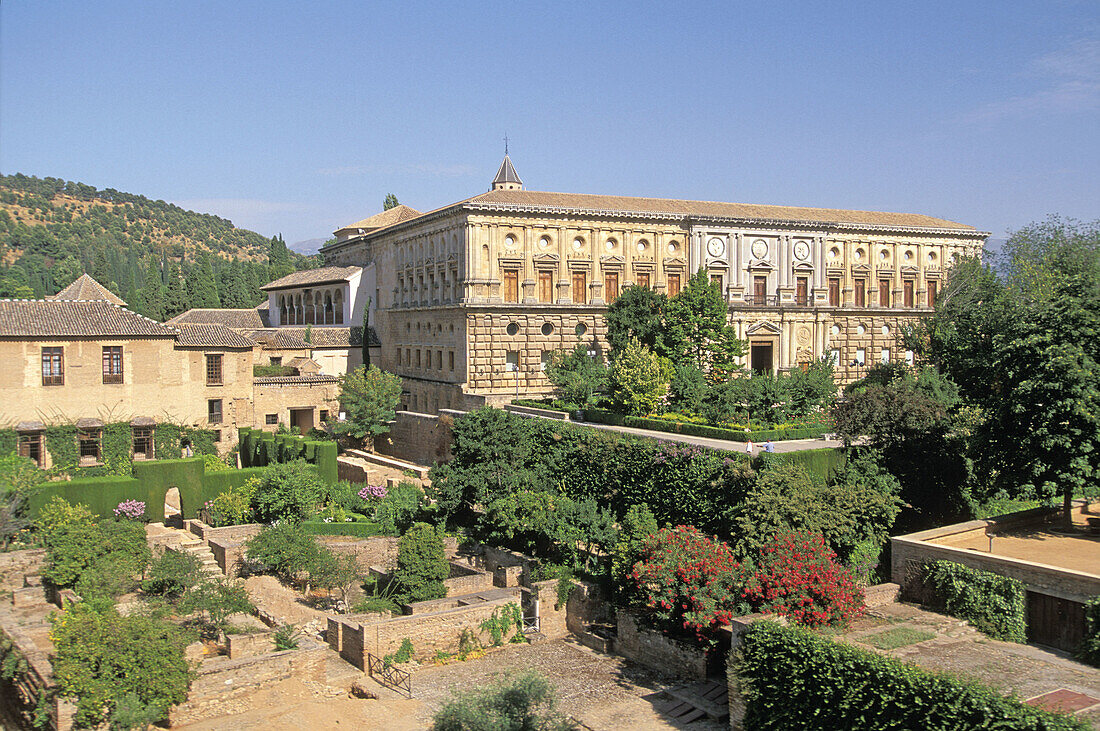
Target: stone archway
173, 511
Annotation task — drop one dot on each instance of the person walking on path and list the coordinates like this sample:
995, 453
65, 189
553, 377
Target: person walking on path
748, 448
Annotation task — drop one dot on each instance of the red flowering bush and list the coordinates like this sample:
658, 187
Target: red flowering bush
797, 575
689, 578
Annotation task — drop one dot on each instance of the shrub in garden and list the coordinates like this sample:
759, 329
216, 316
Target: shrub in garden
172, 573
214, 463
787, 497
58, 513
637, 378
688, 579
795, 679
216, 600
994, 604
1090, 647
287, 491
399, 508
421, 564
20, 479
637, 525
517, 702
101, 658
233, 506
577, 376
284, 549
798, 576
96, 559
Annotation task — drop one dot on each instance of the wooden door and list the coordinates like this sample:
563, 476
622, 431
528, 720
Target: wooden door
580, 287
834, 292
861, 292
801, 291
907, 292
546, 286
673, 285
759, 290
610, 286
642, 280
933, 287
511, 285
884, 293
1054, 621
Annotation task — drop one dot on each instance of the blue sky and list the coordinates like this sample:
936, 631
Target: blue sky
299, 117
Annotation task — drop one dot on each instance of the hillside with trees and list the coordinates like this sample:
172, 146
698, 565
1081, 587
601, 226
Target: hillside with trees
158, 257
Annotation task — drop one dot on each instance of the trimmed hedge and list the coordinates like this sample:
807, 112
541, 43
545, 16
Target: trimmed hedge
150, 483
702, 430
259, 448
795, 679
994, 604
825, 462
359, 530
102, 495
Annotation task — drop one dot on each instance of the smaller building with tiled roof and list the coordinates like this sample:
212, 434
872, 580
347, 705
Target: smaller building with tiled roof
212, 335
26, 319
313, 277
237, 319
397, 214
86, 288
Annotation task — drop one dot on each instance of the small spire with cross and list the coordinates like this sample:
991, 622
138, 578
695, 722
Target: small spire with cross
506, 178
506, 144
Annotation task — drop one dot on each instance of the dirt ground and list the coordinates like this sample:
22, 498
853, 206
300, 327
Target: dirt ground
603, 693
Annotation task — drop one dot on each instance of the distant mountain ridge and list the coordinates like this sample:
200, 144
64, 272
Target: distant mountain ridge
158, 257
309, 247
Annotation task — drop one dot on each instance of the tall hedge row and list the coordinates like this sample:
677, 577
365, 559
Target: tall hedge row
703, 430
259, 448
795, 679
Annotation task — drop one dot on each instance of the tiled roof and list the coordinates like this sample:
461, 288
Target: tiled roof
211, 335
238, 319
324, 275
86, 288
292, 380
66, 318
705, 209
291, 338
397, 214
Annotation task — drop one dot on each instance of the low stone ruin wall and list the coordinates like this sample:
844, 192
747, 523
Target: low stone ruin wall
218, 683
14, 565
353, 636
657, 651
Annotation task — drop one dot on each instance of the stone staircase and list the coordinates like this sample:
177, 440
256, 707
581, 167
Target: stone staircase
177, 539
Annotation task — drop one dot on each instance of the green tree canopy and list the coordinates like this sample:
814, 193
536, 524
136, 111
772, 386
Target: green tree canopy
638, 312
576, 375
698, 329
369, 397
390, 202
637, 378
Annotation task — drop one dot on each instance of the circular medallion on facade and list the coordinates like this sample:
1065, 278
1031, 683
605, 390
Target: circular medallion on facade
801, 251
803, 335
760, 248
716, 247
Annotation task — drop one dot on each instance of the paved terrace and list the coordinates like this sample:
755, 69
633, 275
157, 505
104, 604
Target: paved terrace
1037, 543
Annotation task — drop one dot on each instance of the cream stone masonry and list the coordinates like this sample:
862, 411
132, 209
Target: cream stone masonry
475, 295
93, 362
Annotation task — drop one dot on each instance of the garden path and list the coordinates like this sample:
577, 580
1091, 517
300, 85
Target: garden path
791, 445
1026, 670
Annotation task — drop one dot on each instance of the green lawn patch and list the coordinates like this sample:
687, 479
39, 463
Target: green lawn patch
896, 637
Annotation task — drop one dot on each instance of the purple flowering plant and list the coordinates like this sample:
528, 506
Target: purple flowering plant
130, 510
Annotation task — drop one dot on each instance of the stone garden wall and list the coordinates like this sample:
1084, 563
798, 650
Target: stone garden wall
655, 650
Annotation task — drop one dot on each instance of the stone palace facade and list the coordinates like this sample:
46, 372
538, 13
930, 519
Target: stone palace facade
472, 298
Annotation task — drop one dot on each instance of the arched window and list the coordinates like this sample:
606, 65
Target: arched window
330, 317
338, 304
282, 309
311, 312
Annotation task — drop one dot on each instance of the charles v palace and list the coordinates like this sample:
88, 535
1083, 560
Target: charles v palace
470, 299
